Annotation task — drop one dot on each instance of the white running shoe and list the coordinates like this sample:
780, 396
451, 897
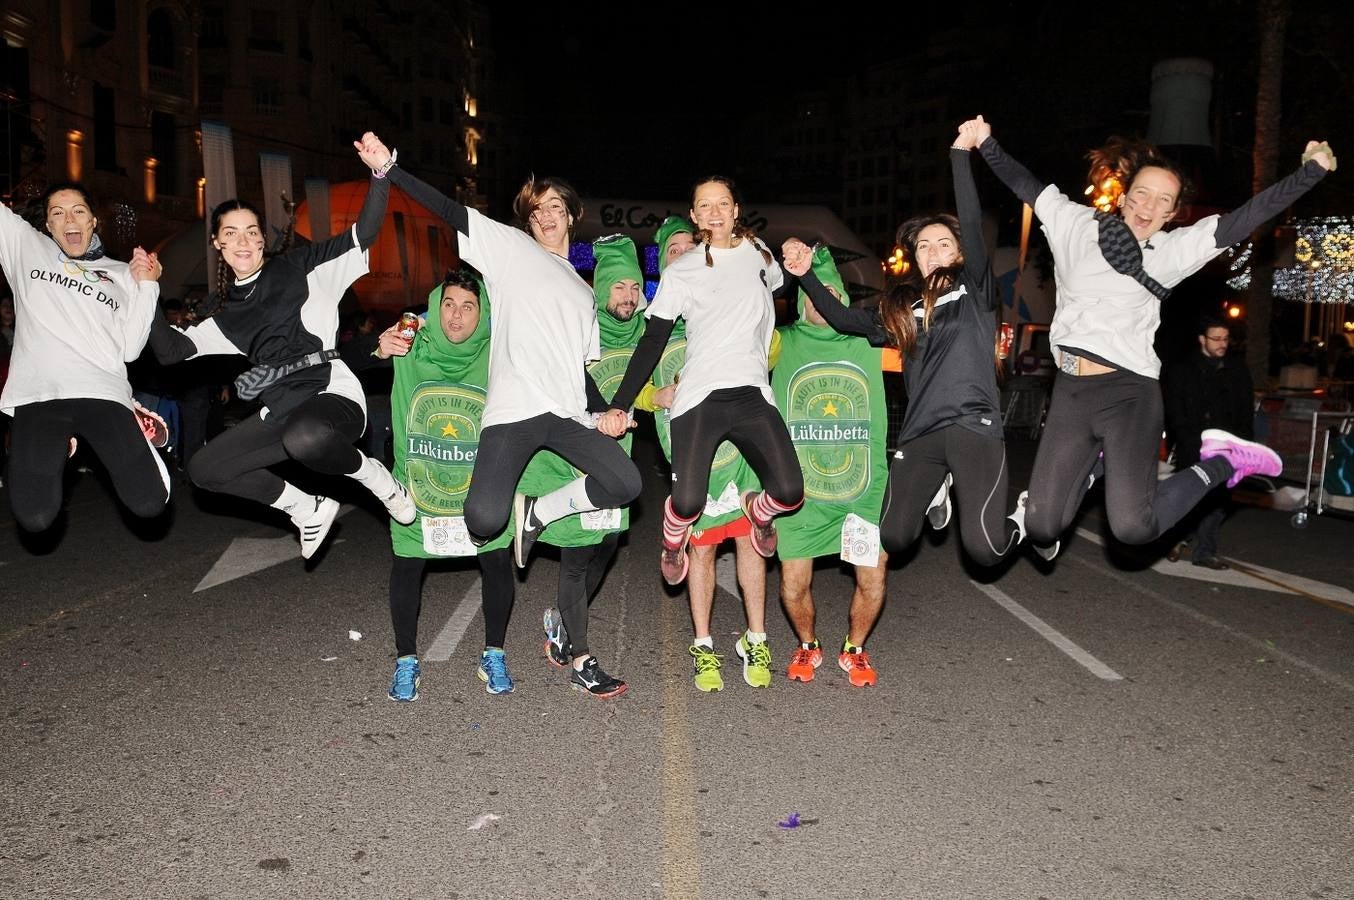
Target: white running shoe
315, 527
390, 492
938, 513
1018, 517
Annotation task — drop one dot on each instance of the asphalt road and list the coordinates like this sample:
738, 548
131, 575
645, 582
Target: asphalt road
1098, 728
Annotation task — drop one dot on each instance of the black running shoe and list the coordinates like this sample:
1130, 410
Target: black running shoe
526, 528
592, 680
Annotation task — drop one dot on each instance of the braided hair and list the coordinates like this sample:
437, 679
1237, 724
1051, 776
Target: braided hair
741, 229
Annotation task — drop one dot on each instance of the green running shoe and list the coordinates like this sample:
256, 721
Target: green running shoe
756, 661
707, 668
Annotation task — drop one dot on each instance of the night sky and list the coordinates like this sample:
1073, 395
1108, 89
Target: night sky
638, 101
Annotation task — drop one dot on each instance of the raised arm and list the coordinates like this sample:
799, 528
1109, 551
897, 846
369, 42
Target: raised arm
1239, 223
376, 155
966, 203
844, 319
1012, 174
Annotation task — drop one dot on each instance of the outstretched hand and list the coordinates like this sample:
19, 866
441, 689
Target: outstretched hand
798, 257
1322, 153
373, 153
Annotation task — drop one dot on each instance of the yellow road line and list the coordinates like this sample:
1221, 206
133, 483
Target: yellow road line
681, 862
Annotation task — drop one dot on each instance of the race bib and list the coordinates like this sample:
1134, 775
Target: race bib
601, 520
860, 542
446, 536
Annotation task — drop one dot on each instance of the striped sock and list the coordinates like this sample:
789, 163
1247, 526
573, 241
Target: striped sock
675, 528
764, 508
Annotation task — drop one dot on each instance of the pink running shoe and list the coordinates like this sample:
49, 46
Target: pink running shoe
1247, 457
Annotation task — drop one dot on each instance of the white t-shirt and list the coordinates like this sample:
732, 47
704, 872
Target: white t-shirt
77, 323
544, 325
1099, 310
729, 315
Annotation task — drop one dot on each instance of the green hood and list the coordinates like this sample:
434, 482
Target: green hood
616, 261
434, 354
826, 270
671, 225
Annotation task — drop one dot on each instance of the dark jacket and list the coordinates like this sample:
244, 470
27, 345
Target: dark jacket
1201, 393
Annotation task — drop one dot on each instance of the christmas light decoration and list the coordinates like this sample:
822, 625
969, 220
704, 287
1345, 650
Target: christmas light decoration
1323, 271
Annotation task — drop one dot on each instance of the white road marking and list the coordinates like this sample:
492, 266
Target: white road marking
1236, 578
1050, 634
245, 556
726, 573
450, 636
1267, 649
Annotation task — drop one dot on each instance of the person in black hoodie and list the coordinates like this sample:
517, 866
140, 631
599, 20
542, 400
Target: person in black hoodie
1208, 389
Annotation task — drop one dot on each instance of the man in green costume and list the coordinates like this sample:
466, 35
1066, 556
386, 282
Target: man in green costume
436, 404
830, 389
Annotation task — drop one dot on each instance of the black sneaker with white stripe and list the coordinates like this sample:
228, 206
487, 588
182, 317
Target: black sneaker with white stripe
592, 680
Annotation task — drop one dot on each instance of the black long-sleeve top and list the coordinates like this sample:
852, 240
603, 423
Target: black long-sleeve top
287, 310
950, 374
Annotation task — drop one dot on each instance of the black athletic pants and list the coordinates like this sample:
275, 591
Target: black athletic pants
319, 433
40, 442
612, 480
580, 574
742, 416
406, 597
1121, 414
978, 463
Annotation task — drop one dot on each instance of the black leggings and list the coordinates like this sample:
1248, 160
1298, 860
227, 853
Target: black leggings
580, 574
406, 597
1119, 413
740, 415
319, 433
978, 463
40, 442
612, 480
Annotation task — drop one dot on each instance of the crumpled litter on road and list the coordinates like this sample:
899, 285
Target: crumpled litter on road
791, 821
481, 822
354, 635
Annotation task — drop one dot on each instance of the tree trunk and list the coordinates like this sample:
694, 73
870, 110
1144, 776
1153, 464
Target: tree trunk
1272, 20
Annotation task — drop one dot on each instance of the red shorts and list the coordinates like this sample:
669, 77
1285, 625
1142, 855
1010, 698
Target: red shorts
713, 537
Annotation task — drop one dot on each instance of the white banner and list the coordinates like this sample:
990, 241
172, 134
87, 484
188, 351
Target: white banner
277, 193
218, 168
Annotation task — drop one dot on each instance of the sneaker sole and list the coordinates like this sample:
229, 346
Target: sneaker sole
616, 693
797, 676
417, 683
713, 689
519, 502
550, 657
854, 683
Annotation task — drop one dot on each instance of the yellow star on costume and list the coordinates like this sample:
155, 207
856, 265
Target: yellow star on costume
829, 408
449, 430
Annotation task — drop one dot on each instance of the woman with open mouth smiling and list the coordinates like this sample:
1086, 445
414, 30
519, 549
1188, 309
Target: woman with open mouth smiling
282, 313
1113, 271
80, 317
